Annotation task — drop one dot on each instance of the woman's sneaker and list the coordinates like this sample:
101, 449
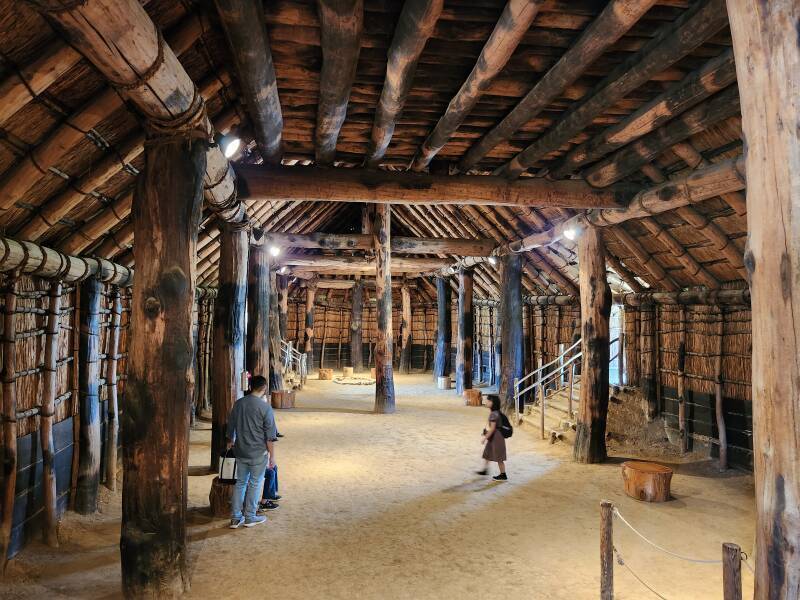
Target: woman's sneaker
257, 520
236, 522
501, 477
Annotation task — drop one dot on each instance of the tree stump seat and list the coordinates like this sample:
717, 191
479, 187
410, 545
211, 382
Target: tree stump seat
473, 397
326, 374
282, 399
646, 481
220, 498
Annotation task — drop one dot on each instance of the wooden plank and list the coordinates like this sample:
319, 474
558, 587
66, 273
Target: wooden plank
268, 184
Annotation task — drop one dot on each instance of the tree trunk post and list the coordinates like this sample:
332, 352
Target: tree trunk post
647, 316
275, 336
356, 323
89, 382
441, 359
258, 309
282, 282
9, 414
229, 333
112, 421
49, 389
405, 329
512, 351
765, 45
384, 375
158, 394
590, 437
308, 347
466, 326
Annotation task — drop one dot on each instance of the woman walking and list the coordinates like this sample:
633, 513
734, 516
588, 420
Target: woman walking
495, 443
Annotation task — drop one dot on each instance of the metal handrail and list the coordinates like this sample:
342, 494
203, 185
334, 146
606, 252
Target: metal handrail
556, 359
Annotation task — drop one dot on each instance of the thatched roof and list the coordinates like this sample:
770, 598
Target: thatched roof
108, 155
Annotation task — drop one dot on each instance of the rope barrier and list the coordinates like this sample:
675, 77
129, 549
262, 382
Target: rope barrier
621, 561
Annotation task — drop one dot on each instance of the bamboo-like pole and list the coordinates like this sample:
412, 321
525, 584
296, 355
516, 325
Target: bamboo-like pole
9, 387
405, 329
648, 373
682, 428
112, 422
49, 384
719, 405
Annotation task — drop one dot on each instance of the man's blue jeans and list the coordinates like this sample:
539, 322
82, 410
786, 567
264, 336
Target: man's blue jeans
249, 479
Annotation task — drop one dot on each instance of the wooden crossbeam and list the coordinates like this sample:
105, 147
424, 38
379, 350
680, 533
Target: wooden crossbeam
356, 264
260, 183
409, 245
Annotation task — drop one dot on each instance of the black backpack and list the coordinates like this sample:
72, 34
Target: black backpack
506, 430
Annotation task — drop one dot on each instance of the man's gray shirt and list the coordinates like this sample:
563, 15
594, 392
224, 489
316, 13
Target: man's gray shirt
252, 424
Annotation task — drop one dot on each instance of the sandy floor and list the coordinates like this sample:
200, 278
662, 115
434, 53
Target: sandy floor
387, 506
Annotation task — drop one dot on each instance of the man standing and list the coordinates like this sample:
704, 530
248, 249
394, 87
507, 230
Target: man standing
251, 430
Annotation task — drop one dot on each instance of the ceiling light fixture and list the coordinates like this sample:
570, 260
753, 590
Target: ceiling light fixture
274, 251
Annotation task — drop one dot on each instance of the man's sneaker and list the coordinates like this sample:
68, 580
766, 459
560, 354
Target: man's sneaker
279, 435
236, 522
257, 520
276, 498
268, 505
501, 477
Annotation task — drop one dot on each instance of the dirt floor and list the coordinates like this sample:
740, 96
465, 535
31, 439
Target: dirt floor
388, 506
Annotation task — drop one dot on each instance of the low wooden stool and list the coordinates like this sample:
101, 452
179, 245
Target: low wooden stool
647, 481
326, 374
473, 397
347, 371
282, 399
443, 383
220, 498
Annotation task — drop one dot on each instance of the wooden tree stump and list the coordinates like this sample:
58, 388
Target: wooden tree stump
326, 374
473, 397
282, 399
220, 498
646, 481
443, 383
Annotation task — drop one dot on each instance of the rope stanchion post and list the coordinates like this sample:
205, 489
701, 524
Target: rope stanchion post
606, 550
731, 571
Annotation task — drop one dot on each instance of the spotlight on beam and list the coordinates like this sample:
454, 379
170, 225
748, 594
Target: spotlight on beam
492, 260
274, 251
571, 233
229, 144
283, 270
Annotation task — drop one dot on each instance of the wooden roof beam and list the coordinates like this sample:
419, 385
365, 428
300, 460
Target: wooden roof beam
341, 22
246, 31
513, 24
714, 76
400, 244
616, 19
647, 260
121, 40
701, 21
414, 26
259, 183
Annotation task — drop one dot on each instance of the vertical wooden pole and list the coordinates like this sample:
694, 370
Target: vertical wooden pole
158, 393
492, 352
622, 349
765, 44
75, 389
497, 348
719, 406
478, 337
47, 414
200, 362
282, 282
590, 437
308, 342
112, 421
9, 387
275, 336
356, 325
441, 359
339, 340
512, 354
648, 371
682, 429
384, 376
731, 572
258, 308
405, 329
229, 333
207, 353
466, 327
324, 336
606, 550
89, 382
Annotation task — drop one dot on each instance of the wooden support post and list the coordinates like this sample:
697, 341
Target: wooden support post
324, 339
647, 370
466, 326
229, 333
9, 413
731, 572
308, 340
275, 364
282, 282
384, 376
682, 429
112, 421
606, 550
590, 437
719, 407
258, 309
89, 400
356, 324
479, 346
49, 390
405, 329
767, 53
158, 394
441, 359
339, 341
512, 352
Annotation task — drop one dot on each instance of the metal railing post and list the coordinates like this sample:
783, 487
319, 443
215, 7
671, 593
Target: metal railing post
571, 386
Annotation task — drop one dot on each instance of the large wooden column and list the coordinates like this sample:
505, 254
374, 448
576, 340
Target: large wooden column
89, 397
9, 413
512, 351
258, 305
49, 391
466, 326
308, 347
648, 367
384, 375
282, 283
275, 337
767, 51
444, 332
356, 324
158, 394
229, 333
590, 440
405, 329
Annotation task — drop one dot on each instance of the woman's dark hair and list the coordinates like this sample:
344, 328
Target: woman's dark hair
495, 401
258, 382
